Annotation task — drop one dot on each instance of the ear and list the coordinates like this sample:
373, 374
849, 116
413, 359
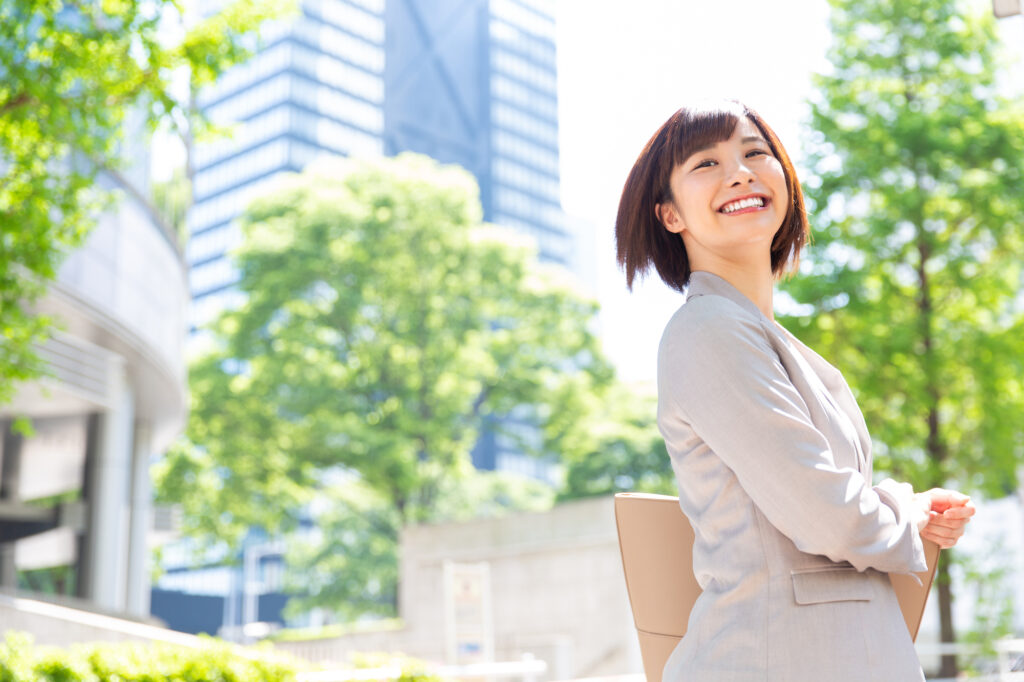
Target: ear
669, 216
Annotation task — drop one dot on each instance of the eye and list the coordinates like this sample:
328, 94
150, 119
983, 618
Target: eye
706, 163
755, 152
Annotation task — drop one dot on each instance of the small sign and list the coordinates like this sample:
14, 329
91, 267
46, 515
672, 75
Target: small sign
469, 631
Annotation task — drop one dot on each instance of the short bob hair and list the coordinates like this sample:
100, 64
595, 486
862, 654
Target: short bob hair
642, 239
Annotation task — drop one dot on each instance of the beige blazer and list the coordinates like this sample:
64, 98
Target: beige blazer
792, 542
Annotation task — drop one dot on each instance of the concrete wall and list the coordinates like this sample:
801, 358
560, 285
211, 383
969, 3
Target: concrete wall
56, 625
556, 585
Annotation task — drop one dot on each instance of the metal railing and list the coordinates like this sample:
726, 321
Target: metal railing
1009, 659
528, 668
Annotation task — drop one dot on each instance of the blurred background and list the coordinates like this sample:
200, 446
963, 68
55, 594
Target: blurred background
313, 333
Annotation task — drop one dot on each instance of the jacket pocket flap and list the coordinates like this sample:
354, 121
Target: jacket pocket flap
829, 584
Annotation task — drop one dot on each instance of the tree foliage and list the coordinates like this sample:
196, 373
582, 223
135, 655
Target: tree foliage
70, 73
383, 328
615, 446
914, 280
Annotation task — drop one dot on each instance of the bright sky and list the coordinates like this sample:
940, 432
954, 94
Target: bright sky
624, 67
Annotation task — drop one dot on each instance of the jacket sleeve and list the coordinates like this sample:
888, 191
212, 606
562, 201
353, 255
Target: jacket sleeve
721, 375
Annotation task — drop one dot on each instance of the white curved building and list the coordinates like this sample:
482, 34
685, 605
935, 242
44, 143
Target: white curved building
75, 497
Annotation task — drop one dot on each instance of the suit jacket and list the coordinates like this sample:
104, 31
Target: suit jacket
773, 462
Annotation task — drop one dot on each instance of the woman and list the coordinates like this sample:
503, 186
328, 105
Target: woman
770, 451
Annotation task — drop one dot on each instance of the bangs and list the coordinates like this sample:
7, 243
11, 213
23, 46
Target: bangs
695, 128
703, 128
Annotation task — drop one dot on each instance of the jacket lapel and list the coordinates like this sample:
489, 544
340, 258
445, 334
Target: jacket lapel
830, 381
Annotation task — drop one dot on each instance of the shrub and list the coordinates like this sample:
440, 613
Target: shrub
21, 661
213, 661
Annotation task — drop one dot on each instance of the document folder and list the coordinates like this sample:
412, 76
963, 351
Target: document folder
656, 542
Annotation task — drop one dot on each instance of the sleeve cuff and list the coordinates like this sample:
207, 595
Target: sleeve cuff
900, 498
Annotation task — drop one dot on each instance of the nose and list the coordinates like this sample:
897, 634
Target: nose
741, 174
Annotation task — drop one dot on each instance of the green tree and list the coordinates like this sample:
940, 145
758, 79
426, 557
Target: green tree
383, 328
615, 446
69, 75
349, 563
915, 277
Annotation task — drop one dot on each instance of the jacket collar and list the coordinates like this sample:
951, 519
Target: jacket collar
703, 283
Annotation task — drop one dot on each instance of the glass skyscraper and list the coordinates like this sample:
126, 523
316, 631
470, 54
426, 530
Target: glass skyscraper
471, 82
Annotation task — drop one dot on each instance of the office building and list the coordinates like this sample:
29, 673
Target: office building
75, 510
471, 83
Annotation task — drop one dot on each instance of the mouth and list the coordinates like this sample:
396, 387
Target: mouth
747, 204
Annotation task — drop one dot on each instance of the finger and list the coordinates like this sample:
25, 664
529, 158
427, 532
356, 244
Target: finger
941, 540
942, 534
943, 499
951, 516
959, 512
944, 522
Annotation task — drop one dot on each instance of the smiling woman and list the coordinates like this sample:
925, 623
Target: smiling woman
771, 454
681, 176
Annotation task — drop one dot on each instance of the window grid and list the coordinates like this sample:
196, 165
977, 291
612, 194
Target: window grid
525, 19
339, 13
255, 131
330, 70
213, 243
258, 68
515, 147
253, 101
259, 161
340, 44
338, 105
224, 207
526, 71
509, 90
529, 126
514, 38
508, 200
510, 173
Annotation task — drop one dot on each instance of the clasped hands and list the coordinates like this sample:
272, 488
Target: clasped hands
948, 512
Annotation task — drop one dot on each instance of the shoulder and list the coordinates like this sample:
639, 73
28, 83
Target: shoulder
710, 323
712, 341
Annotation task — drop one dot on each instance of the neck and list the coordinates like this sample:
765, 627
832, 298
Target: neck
756, 283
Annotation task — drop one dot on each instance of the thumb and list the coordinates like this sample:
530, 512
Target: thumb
944, 499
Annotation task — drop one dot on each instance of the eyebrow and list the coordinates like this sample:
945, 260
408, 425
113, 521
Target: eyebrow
745, 140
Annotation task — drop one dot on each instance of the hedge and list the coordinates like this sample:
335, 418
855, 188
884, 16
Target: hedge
213, 661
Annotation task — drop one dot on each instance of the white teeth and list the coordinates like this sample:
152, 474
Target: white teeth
742, 203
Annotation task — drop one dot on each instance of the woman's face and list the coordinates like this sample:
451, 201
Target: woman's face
729, 200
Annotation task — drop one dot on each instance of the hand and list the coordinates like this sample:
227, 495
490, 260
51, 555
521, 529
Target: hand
948, 513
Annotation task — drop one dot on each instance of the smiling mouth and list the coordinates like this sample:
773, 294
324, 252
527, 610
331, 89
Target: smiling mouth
744, 205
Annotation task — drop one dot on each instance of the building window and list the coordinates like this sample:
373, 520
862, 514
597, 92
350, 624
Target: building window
260, 67
253, 101
238, 170
213, 243
510, 173
245, 135
524, 151
506, 89
542, 51
349, 17
531, 127
529, 20
338, 105
340, 44
526, 71
332, 71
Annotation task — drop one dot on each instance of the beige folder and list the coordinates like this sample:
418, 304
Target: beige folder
656, 542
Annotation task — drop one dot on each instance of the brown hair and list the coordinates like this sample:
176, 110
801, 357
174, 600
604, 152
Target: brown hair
641, 238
